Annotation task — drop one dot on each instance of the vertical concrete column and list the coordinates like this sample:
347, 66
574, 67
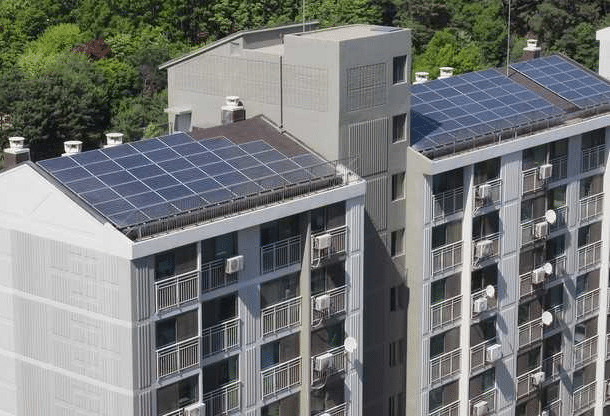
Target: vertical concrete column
305, 334
465, 290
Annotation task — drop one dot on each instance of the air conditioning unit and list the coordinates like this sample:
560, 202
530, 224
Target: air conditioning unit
479, 305
320, 242
538, 275
537, 378
196, 409
322, 362
545, 171
493, 353
234, 264
480, 408
541, 229
545, 413
322, 303
483, 249
484, 191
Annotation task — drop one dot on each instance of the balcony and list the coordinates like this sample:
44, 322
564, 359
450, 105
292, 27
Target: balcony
591, 207
178, 357
489, 397
176, 290
446, 258
560, 168
478, 355
532, 181
529, 231
281, 377
553, 408
485, 248
213, 275
587, 303
593, 158
552, 366
530, 332
281, 316
335, 245
492, 302
223, 401
445, 312
452, 409
336, 305
487, 194
589, 256
340, 410
281, 254
334, 361
220, 338
562, 219
447, 203
583, 397
585, 352
557, 312
444, 365
526, 384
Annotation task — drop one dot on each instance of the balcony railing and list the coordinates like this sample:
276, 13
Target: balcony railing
340, 410
489, 396
337, 364
337, 246
281, 377
445, 312
525, 383
478, 354
284, 253
213, 275
280, 316
562, 218
530, 332
447, 257
593, 157
553, 408
587, 303
452, 409
492, 302
336, 305
591, 207
531, 180
557, 312
178, 357
220, 338
526, 286
589, 255
485, 248
176, 290
607, 346
560, 168
528, 229
585, 352
583, 397
487, 194
223, 401
552, 366
444, 365
447, 203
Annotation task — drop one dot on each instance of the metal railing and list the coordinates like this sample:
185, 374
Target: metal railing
221, 337
176, 290
492, 302
280, 254
177, 357
531, 180
444, 365
338, 363
447, 257
213, 275
607, 346
560, 168
478, 353
494, 194
445, 312
339, 410
223, 400
589, 255
553, 408
552, 366
337, 305
557, 313
281, 315
525, 383
281, 377
528, 230
591, 206
526, 286
530, 332
583, 397
559, 264
447, 203
593, 157
452, 409
587, 303
494, 250
562, 218
338, 245
489, 396
585, 352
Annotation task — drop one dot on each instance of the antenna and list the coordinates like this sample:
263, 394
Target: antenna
507, 40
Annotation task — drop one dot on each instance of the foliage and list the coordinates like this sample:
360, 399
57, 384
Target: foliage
140, 117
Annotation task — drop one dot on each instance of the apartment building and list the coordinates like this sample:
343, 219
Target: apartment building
343, 91
180, 276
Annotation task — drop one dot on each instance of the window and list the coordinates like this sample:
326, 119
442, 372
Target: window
177, 261
177, 395
396, 353
219, 374
397, 243
398, 186
176, 329
397, 297
399, 69
399, 123
220, 247
279, 230
396, 405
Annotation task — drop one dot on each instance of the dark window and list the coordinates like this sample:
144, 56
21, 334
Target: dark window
399, 124
280, 289
219, 374
176, 329
220, 247
177, 261
397, 243
279, 230
399, 69
177, 395
398, 186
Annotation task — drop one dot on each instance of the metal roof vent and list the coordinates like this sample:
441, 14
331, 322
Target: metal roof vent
446, 72
16, 153
72, 147
421, 77
113, 139
531, 50
232, 111
16, 142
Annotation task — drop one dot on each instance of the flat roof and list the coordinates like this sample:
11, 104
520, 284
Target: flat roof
342, 33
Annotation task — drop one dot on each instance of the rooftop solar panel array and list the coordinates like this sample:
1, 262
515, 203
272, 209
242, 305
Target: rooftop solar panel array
453, 110
567, 80
151, 179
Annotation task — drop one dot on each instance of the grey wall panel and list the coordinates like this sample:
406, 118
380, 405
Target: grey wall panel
250, 368
511, 176
427, 198
145, 364
508, 280
427, 257
305, 87
425, 316
145, 404
506, 331
368, 141
144, 277
505, 384
510, 217
249, 313
376, 201
354, 282
354, 218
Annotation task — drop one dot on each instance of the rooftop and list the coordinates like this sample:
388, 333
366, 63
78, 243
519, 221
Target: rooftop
342, 33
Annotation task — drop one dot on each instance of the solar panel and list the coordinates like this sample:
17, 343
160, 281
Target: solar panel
131, 188
147, 145
117, 178
229, 152
100, 168
255, 146
189, 175
91, 156
72, 174
52, 165
216, 143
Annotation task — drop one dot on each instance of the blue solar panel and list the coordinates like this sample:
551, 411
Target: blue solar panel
160, 210
229, 152
177, 139
145, 199
101, 168
113, 207
231, 178
148, 145
217, 168
217, 143
189, 175
84, 185
117, 178
243, 162
190, 149
176, 165
174, 192
72, 174
119, 151
91, 156
146, 171
128, 217
257, 172
161, 155
188, 203
132, 161
217, 195
202, 159
255, 147
131, 188
307, 159
203, 185
272, 182
56, 164
244, 189
161, 181
100, 195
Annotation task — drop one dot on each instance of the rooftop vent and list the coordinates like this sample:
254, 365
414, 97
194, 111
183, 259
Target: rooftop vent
16, 153
113, 139
72, 147
421, 77
446, 72
233, 110
16, 143
531, 50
